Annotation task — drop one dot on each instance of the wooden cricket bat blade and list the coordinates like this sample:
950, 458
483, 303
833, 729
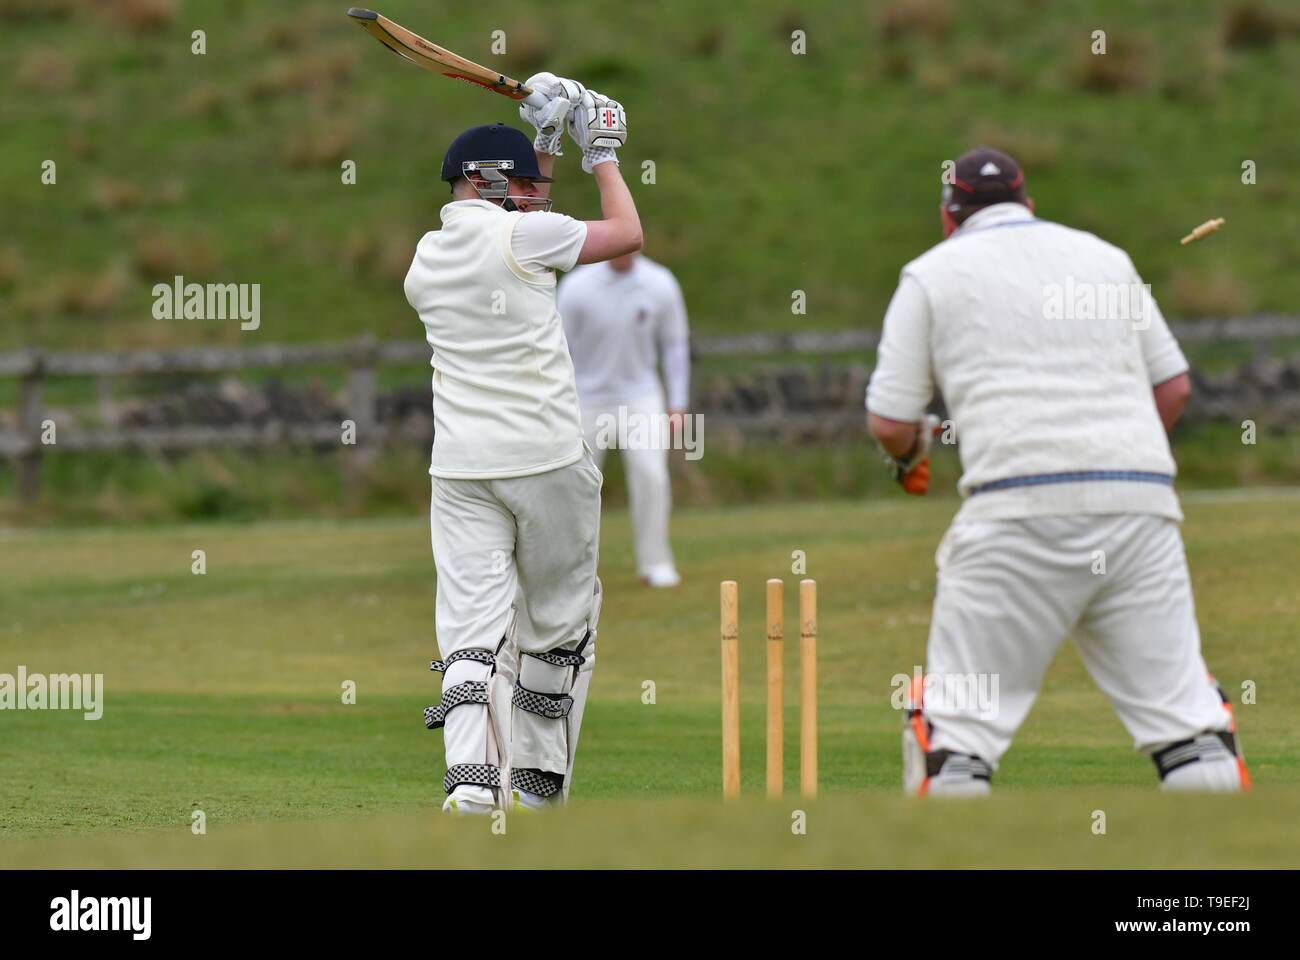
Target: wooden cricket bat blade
415, 49
372, 23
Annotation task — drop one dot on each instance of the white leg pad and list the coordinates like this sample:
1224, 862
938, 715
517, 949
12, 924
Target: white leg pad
467, 735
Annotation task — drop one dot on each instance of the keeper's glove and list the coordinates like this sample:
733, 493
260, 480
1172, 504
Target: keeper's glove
912, 470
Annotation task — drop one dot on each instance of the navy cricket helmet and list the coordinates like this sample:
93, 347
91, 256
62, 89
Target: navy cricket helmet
495, 147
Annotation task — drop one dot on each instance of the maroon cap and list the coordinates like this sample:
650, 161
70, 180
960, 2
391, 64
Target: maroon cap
982, 177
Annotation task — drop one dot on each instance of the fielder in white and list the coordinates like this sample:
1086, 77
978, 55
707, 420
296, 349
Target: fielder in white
1062, 380
623, 319
515, 509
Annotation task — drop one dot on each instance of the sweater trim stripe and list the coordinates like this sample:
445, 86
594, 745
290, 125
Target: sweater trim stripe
1077, 476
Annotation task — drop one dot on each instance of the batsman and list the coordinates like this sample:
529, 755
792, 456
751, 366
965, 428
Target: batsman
515, 506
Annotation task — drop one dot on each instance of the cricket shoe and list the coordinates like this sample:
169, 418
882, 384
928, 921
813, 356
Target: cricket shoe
662, 576
458, 805
525, 802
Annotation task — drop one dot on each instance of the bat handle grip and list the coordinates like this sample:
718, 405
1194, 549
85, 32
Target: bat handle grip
535, 99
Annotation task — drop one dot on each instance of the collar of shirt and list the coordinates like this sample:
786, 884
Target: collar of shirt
998, 213
450, 210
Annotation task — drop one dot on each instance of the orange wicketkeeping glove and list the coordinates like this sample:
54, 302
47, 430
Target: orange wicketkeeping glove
912, 470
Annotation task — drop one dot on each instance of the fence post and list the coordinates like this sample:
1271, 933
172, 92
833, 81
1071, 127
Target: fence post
104, 403
363, 410
31, 416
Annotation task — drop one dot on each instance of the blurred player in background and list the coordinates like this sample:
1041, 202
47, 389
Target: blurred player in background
624, 319
1070, 520
515, 510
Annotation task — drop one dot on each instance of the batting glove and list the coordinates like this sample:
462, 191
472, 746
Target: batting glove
598, 125
562, 94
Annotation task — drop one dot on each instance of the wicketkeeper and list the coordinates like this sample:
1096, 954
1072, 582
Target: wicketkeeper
515, 509
1062, 380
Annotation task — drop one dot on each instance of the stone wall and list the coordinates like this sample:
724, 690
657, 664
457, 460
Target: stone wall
794, 402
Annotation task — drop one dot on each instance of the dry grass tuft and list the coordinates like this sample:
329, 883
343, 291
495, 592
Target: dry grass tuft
709, 44
140, 16
91, 294
935, 77
1248, 24
320, 73
319, 143
984, 64
161, 255
205, 100
11, 266
383, 255
16, 11
896, 63
1126, 66
83, 144
46, 70
788, 22
110, 196
901, 19
1194, 74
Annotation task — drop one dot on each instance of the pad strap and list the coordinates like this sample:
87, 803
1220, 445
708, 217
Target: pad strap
561, 658
471, 691
553, 706
957, 764
541, 782
474, 653
474, 774
1183, 752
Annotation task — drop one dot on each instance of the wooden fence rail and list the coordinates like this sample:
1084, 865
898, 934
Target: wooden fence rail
25, 446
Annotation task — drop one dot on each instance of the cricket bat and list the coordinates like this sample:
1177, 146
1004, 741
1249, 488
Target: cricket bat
419, 51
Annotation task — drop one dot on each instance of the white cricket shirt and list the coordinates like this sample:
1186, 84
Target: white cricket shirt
504, 399
620, 326
1050, 394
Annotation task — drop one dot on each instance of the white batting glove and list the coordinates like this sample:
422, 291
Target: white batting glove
598, 125
549, 120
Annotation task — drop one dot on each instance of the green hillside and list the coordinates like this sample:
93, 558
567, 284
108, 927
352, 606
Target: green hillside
774, 172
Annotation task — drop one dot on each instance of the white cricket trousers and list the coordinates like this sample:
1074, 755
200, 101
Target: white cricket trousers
523, 544
1009, 591
645, 463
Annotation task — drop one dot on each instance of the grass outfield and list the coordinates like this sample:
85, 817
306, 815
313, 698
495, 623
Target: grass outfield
223, 694
1025, 828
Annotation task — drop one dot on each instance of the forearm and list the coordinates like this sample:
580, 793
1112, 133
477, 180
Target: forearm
1171, 399
616, 203
620, 230
546, 164
897, 438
